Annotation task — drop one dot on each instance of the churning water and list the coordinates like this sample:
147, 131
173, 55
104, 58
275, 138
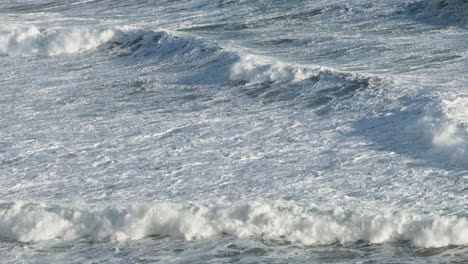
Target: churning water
232, 131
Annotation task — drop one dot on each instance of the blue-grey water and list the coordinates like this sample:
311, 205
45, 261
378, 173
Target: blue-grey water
232, 131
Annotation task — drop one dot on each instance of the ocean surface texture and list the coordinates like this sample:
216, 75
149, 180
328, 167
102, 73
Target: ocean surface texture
233, 131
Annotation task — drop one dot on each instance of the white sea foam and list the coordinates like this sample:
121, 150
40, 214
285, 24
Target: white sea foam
31, 40
36, 222
257, 70
445, 128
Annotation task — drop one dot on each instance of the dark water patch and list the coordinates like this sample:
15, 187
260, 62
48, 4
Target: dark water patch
286, 42
414, 63
133, 44
169, 52
429, 252
218, 27
32, 7
275, 42
333, 54
302, 15
274, 242
313, 93
77, 68
236, 251
212, 68
12, 162
437, 12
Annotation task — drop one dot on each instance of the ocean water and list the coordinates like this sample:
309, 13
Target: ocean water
232, 131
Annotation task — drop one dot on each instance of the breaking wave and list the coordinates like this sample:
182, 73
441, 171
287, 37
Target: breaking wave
283, 221
198, 61
309, 86
445, 128
31, 40
202, 62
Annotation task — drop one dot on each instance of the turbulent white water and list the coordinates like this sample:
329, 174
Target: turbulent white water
29, 40
33, 222
201, 131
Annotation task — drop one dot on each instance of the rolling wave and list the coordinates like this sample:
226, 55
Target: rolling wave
308, 86
267, 79
282, 221
197, 61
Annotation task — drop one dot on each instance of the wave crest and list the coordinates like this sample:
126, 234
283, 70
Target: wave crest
308, 86
144, 43
200, 61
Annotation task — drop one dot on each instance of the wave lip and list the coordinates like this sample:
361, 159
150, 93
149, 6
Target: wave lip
306, 85
283, 221
31, 40
254, 70
160, 44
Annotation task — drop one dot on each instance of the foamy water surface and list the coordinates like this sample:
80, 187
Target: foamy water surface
199, 131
